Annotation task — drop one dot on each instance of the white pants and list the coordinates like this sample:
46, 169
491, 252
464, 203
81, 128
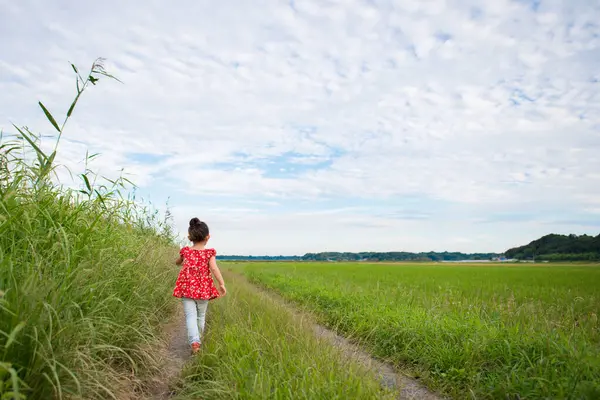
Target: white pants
195, 316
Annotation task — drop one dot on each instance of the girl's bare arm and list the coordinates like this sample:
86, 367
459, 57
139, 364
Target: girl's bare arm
179, 261
217, 273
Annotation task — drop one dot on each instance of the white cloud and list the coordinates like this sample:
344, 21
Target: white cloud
484, 106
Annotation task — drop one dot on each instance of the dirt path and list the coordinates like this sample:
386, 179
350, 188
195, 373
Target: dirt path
408, 388
176, 353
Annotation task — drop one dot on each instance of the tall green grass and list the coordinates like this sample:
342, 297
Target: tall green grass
257, 349
501, 332
83, 279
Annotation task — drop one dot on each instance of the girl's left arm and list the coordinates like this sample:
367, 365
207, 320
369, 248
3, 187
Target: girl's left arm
212, 263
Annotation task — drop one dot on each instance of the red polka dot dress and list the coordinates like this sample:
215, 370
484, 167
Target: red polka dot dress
194, 280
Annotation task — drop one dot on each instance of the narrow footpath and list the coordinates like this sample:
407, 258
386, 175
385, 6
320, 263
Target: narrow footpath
177, 353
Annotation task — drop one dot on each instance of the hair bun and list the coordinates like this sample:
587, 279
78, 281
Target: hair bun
195, 222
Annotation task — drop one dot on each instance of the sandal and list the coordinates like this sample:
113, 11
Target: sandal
195, 347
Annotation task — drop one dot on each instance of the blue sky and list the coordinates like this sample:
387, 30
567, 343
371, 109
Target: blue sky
351, 125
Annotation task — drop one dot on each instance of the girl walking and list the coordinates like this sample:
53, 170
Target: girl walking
194, 284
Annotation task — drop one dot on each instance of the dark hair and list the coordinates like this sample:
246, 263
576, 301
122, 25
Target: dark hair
198, 230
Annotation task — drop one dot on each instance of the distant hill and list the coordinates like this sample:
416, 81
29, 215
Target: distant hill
370, 256
559, 248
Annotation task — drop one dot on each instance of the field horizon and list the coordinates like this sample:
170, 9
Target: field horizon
548, 248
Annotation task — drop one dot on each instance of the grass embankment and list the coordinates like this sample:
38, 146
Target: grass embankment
482, 331
257, 349
83, 280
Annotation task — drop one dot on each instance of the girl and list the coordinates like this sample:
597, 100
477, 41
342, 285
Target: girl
194, 284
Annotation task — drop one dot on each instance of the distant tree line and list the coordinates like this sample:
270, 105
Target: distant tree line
397, 256
370, 256
555, 247
259, 258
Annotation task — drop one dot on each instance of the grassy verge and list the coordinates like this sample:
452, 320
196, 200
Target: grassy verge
257, 349
83, 278
482, 331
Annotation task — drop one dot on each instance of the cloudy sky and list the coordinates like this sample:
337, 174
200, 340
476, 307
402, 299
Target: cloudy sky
301, 125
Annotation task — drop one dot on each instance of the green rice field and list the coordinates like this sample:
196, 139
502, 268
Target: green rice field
469, 331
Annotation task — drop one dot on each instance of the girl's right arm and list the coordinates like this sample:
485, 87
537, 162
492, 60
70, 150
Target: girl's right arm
212, 263
179, 261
